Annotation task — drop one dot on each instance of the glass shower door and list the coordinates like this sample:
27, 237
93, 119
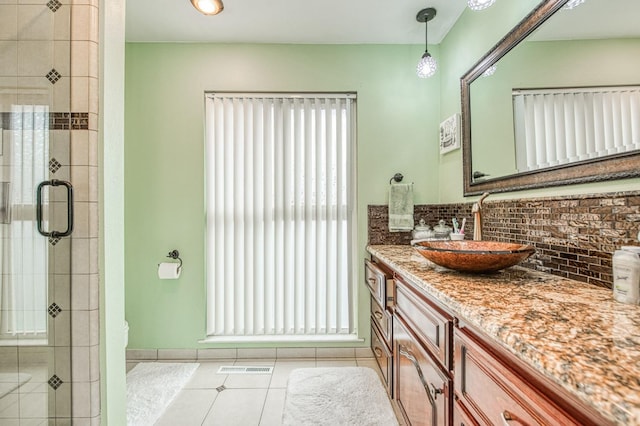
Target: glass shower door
35, 371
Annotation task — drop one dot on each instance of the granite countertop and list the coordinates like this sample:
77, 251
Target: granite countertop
573, 333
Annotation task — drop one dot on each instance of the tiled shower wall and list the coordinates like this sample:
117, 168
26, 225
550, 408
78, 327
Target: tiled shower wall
85, 325
574, 237
49, 55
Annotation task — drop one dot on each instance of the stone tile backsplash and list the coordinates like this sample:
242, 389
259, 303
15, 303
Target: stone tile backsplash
574, 236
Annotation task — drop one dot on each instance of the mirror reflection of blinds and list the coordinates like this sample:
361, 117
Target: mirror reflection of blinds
560, 126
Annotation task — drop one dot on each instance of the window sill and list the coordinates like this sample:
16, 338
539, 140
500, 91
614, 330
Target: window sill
346, 338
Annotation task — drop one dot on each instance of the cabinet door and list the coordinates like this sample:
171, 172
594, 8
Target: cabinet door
422, 390
494, 393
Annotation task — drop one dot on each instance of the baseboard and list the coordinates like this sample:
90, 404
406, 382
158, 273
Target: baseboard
213, 354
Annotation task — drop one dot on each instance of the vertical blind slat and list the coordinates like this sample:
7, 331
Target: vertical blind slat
320, 222
279, 226
247, 190
229, 233
258, 228
329, 219
238, 154
270, 245
340, 219
635, 123
310, 224
625, 122
301, 123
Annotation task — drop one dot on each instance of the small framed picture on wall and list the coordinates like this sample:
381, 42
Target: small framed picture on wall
450, 134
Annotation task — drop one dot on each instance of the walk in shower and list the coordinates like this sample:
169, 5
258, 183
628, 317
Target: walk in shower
46, 240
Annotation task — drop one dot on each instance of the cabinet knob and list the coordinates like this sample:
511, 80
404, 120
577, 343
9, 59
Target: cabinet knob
378, 352
434, 391
378, 314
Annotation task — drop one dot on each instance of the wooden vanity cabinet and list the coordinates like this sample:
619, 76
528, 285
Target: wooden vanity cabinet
442, 372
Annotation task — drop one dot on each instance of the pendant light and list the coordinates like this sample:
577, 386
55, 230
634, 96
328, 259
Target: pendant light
479, 4
208, 7
490, 71
427, 66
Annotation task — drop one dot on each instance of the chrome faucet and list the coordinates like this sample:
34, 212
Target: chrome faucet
477, 217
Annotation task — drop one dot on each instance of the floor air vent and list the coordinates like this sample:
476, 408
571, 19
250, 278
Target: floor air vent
235, 369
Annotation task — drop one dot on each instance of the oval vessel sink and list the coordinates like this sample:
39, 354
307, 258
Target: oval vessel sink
474, 256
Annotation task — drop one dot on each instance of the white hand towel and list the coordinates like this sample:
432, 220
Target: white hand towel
401, 207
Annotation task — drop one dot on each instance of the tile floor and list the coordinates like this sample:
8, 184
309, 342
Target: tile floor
29, 401
241, 400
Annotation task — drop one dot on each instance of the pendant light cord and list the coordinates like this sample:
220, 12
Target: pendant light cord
426, 36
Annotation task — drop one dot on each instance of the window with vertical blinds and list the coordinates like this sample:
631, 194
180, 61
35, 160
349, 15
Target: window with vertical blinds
280, 215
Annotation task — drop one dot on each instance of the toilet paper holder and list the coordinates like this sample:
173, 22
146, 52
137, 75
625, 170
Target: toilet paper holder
175, 254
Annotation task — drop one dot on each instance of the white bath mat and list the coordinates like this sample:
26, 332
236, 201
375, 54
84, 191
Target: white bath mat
151, 386
351, 396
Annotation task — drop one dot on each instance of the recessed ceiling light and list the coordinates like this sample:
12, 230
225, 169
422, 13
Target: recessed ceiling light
208, 7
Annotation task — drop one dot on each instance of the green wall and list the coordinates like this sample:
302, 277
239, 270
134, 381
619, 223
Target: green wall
398, 117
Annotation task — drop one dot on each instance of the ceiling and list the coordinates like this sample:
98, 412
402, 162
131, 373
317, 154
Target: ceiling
291, 21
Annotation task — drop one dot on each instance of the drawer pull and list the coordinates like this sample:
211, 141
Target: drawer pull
432, 391
378, 314
508, 417
372, 282
378, 352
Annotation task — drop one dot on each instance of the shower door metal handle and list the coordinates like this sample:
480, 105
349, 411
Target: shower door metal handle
55, 234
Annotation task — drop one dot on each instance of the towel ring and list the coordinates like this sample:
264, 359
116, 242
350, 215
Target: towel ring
397, 178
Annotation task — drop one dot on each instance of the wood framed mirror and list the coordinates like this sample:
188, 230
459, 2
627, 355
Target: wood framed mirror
483, 124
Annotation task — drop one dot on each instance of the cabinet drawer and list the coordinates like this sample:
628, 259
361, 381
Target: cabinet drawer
383, 357
376, 281
422, 389
382, 319
494, 393
433, 328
